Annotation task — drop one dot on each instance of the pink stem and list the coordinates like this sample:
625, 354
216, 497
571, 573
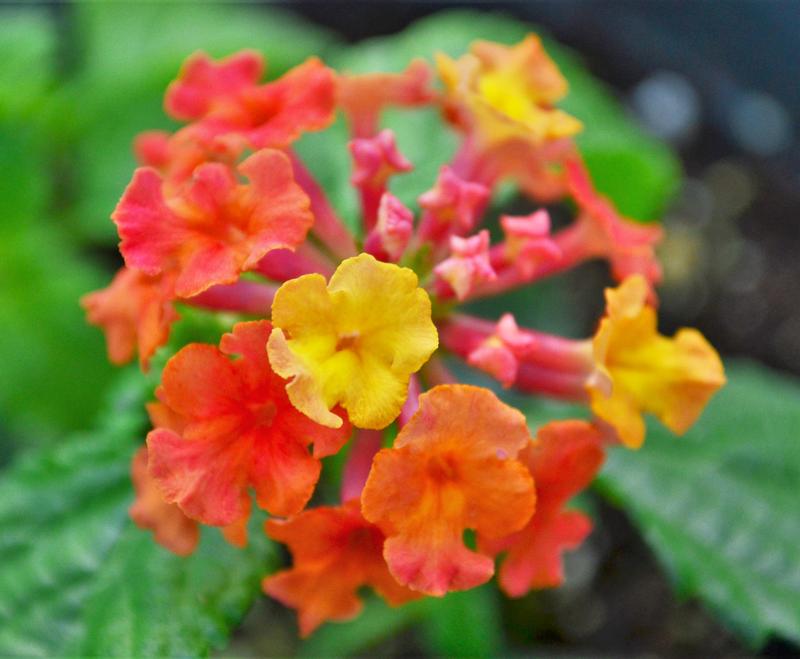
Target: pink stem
328, 226
574, 249
244, 296
370, 201
412, 401
532, 378
365, 445
283, 264
461, 334
363, 124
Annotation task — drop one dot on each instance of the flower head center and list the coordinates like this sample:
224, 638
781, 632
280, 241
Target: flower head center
263, 414
348, 341
443, 468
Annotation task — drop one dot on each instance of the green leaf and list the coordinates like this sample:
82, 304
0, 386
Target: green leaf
130, 52
27, 51
464, 624
719, 506
78, 578
639, 173
54, 368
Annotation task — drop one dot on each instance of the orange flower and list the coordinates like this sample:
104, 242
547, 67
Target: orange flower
171, 528
453, 467
563, 462
151, 511
638, 370
224, 97
336, 552
237, 430
215, 227
135, 312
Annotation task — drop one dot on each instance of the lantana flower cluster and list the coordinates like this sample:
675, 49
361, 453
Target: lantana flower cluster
345, 341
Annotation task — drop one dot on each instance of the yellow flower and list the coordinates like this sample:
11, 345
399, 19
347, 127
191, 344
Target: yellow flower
638, 370
506, 93
354, 342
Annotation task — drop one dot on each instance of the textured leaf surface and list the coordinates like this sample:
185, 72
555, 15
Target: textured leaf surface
77, 578
720, 505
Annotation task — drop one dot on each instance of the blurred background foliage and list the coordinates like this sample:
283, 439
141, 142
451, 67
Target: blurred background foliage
717, 508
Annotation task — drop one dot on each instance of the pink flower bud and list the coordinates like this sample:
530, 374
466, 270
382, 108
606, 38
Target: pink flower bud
468, 265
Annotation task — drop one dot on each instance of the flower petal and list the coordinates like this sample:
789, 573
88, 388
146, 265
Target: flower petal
171, 528
355, 342
647, 372
453, 467
336, 552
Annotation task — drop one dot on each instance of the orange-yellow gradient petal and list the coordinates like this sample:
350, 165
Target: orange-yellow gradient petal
355, 341
336, 552
638, 370
504, 93
453, 467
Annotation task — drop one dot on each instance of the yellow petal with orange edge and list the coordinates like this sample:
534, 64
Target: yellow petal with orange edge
354, 342
670, 378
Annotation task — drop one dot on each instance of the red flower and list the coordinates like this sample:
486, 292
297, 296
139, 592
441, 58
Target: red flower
176, 155
215, 227
238, 431
205, 87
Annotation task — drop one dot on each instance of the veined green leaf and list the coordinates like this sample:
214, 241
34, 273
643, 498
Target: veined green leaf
720, 506
78, 578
